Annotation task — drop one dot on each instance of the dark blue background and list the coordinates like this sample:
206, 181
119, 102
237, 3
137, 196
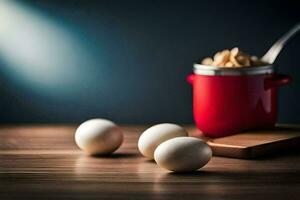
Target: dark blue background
142, 52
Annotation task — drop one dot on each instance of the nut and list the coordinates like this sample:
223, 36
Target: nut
229, 64
232, 58
207, 61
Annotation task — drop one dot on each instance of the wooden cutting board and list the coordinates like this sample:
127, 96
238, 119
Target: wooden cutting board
253, 144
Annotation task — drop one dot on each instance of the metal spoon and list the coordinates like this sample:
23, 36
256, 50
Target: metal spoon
274, 51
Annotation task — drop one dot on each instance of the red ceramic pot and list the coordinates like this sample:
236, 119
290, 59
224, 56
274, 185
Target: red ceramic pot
228, 101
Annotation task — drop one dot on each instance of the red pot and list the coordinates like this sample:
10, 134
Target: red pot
228, 100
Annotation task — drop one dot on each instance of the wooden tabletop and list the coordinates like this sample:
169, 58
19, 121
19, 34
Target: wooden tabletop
43, 162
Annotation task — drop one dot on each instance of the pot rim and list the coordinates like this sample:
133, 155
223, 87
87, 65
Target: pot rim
212, 70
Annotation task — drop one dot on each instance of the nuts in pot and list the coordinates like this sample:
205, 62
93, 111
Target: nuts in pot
232, 58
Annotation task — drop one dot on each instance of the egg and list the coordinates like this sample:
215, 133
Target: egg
157, 134
98, 137
182, 154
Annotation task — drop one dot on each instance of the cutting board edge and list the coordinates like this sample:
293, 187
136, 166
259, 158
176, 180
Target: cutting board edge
251, 152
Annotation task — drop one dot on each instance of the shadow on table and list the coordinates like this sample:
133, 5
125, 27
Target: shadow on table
225, 176
280, 154
117, 155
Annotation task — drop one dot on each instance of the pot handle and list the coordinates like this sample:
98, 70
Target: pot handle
190, 79
277, 80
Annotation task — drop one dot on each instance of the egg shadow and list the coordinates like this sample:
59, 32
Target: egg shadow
116, 155
150, 161
192, 173
198, 173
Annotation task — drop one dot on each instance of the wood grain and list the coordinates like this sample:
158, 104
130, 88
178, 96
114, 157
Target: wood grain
43, 162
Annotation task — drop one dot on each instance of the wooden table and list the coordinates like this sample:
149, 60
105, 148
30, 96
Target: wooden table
43, 162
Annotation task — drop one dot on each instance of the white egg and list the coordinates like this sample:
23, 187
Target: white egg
98, 136
182, 154
157, 134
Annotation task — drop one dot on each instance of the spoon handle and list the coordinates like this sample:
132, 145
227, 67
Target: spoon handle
273, 52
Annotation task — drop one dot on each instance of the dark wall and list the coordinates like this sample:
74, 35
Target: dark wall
139, 53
